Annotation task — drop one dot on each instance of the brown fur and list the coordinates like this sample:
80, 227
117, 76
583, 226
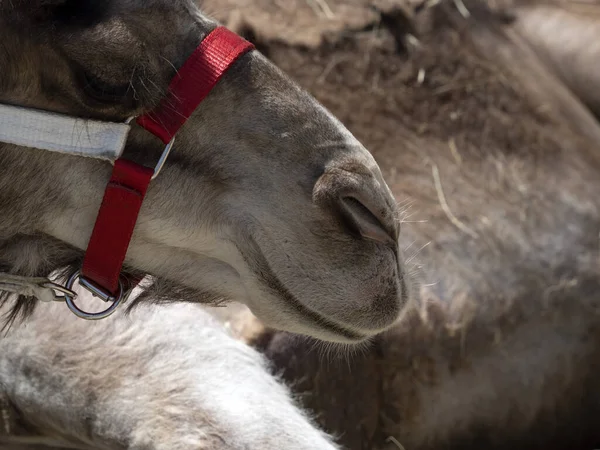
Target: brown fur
566, 36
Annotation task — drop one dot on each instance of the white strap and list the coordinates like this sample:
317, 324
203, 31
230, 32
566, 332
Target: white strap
41, 288
63, 134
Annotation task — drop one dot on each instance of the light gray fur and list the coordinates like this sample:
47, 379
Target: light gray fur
168, 377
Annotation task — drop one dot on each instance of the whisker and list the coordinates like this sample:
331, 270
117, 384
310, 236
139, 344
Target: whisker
410, 245
171, 64
414, 255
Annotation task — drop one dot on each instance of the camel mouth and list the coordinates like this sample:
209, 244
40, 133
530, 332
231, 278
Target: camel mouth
370, 316
318, 322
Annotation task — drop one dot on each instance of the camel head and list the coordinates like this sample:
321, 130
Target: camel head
266, 198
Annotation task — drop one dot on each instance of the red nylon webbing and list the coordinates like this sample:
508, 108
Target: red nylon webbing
194, 81
115, 223
127, 187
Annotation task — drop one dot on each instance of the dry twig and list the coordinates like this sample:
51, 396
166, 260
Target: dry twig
444, 204
321, 8
394, 441
454, 151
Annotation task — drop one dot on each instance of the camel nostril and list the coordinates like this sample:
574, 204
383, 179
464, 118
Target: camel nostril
368, 220
360, 201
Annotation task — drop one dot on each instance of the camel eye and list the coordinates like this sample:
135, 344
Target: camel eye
104, 92
78, 12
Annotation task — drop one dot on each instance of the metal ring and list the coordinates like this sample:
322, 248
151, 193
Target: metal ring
87, 315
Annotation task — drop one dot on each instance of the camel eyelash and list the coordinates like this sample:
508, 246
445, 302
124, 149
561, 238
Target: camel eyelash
104, 92
78, 12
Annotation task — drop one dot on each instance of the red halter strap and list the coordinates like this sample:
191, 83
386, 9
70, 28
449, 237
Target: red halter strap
127, 187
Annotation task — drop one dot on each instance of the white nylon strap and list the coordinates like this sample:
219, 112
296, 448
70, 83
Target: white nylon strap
41, 288
62, 134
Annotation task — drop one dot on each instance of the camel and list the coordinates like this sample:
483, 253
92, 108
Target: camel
226, 181
498, 347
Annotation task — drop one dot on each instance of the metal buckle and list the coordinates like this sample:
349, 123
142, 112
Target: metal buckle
163, 157
57, 288
68, 294
96, 292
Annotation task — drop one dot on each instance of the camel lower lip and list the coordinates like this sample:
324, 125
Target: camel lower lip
341, 331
